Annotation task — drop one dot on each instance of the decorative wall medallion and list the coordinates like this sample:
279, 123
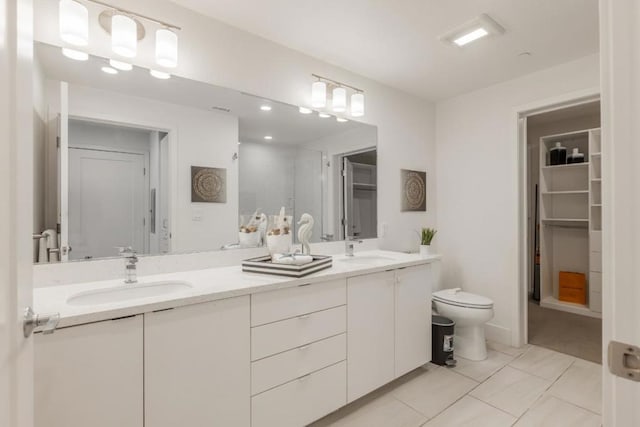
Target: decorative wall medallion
208, 185
414, 191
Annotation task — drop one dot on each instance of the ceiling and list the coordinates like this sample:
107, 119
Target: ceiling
284, 122
396, 42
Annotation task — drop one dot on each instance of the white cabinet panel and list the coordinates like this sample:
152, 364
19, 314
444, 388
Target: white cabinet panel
595, 261
413, 318
267, 307
197, 368
291, 333
299, 402
595, 301
370, 320
90, 375
276, 370
595, 282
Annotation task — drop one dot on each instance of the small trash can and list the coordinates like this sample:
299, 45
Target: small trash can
442, 341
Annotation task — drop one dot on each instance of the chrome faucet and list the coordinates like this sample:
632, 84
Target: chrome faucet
349, 243
130, 275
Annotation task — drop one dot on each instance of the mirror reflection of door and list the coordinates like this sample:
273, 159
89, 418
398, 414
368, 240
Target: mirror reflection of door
360, 195
113, 190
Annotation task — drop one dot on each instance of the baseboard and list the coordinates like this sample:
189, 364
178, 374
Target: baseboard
498, 334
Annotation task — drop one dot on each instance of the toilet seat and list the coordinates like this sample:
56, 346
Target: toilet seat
460, 298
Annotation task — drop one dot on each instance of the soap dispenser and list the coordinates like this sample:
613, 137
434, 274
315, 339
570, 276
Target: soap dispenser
575, 157
558, 155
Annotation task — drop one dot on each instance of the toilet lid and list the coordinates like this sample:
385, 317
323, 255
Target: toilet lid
462, 299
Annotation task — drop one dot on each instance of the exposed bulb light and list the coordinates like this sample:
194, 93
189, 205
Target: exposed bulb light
268, 137
341, 120
324, 115
265, 107
357, 104
109, 70
73, 19
319, 94
119, 65
305, 110
160, 74
339, 99
124, 36
471, 36
75, 54
166, 48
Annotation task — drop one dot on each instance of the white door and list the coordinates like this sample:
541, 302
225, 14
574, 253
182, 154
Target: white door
347, 198
63, 170
620, 57
107, 198
16, 211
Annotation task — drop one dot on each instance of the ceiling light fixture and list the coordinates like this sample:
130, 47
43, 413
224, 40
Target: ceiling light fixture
76, 55
268, 137
324, 115
119, 65
124, 36
265, 107
73, 19
480, 27
319, 94
109, 70
305, 110
339, 96
166, 48
341, 120
160, 74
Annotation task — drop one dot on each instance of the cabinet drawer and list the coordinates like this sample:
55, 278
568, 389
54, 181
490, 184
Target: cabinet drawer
595, 282
595, 261
301, 401
291, 333
283, 304
595, 241
281, 368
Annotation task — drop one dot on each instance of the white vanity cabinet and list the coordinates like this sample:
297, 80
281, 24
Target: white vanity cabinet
389, 332
90, 375
196, 365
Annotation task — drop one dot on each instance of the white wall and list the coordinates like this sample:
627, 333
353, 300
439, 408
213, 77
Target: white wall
477, 188
39, 141
202, 138
213, 52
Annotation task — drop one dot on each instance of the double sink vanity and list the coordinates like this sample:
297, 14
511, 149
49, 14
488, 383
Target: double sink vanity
220, 347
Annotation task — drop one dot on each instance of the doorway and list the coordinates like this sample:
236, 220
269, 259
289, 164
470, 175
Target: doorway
563, 202
359, 194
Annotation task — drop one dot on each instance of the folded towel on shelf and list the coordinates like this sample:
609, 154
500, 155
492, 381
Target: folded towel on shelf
291, 259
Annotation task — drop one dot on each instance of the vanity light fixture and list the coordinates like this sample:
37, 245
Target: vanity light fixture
339, 96
318, 94
305, 110
109, 70
73, 19
357, 104
324, 115
160, 74
166, 48
480, 27
265, 107
339, 102
119, 65
124, 36
76, 55
341, 120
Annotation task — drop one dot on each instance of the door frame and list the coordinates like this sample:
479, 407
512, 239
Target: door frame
519, 332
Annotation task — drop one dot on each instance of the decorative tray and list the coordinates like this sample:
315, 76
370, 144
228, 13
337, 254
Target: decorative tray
264, 265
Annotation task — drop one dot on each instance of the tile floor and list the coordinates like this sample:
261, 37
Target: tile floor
532, 386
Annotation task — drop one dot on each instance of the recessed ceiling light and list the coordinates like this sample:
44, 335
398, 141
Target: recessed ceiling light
473, 30
119, 65
265, 107
324, 115
268, 137
160, 74
109, 70
341, 119
75, 54
471, 36
305, 110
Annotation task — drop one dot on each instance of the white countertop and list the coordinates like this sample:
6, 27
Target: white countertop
207, 285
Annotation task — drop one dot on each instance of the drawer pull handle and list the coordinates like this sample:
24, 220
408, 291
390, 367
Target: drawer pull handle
306, 347
304, 316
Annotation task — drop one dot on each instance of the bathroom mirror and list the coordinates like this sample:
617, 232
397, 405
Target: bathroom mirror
175, 165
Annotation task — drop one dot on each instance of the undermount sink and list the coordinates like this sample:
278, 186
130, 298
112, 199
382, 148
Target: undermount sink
363, 259
127, 292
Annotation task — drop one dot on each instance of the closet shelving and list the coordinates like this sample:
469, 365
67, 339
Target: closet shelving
570, 217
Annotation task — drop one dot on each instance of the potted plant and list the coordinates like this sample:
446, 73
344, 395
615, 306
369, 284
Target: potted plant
426, 236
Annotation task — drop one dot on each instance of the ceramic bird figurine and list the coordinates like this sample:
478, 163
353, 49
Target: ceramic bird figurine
304, 232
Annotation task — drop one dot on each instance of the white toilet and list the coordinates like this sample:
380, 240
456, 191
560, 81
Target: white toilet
470, 312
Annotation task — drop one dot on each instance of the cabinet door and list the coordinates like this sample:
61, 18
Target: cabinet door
90, 375
370, 333
413, 318
197, 368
